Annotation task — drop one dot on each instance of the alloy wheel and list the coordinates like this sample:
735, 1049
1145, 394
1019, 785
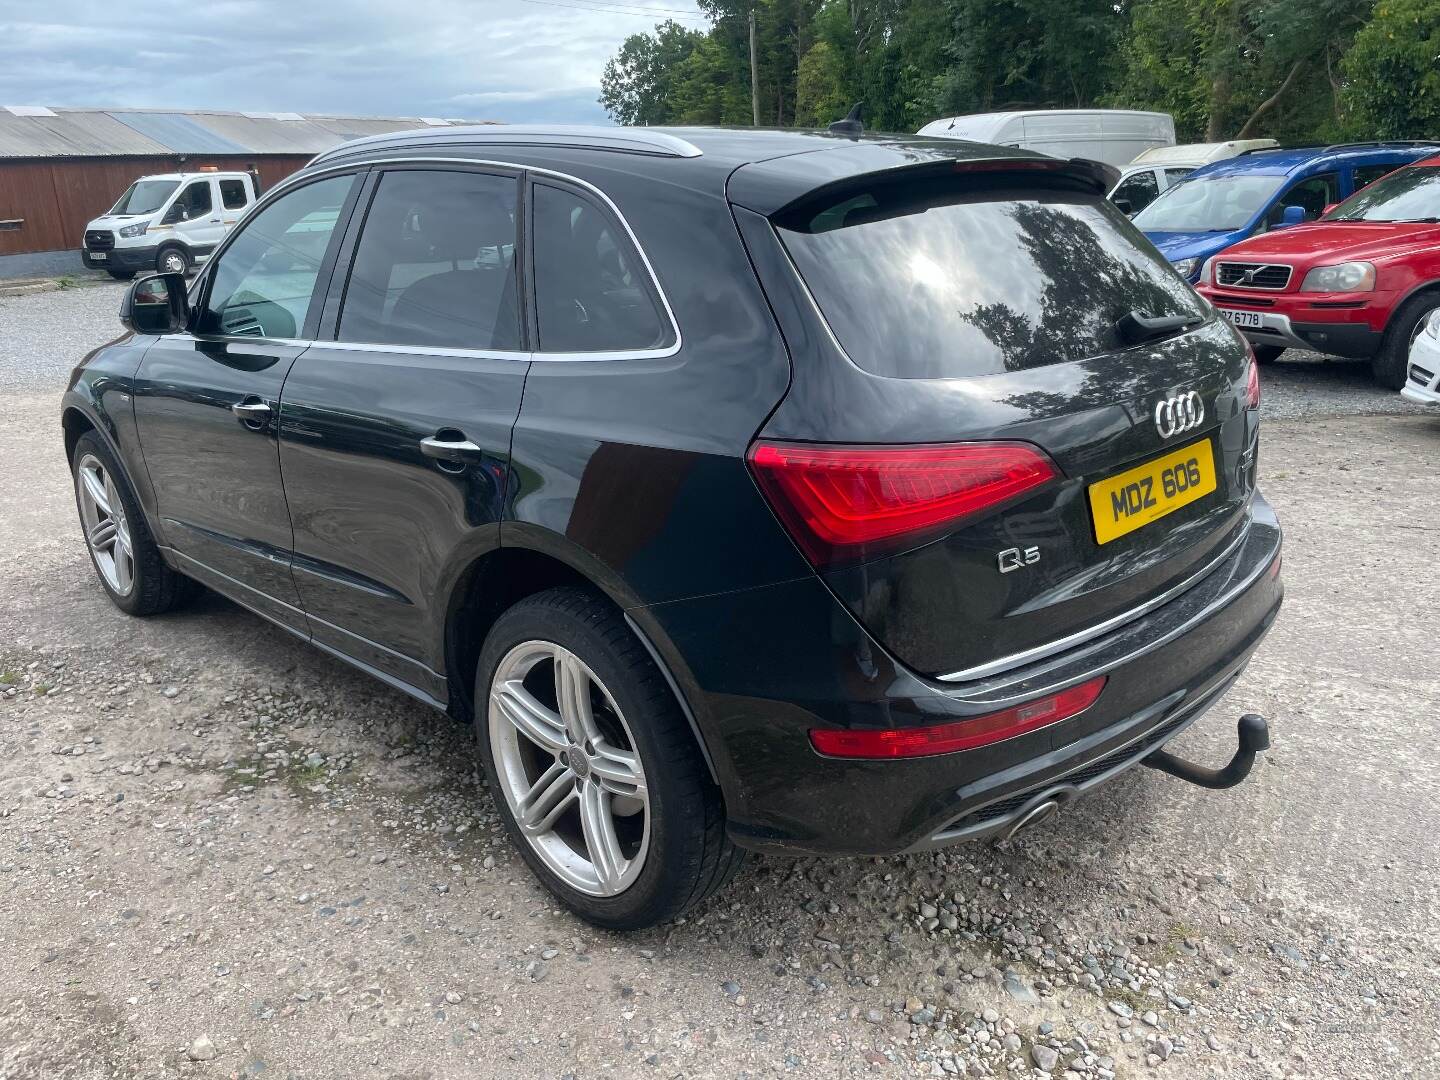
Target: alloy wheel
569, 768
106, 531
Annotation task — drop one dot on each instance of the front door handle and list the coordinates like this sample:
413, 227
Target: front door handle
252, 412
452, 447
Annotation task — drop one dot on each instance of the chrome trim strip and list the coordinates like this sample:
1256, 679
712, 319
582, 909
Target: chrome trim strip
1040, 652
307, 174
1182, 719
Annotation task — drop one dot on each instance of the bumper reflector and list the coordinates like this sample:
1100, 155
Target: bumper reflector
961, 734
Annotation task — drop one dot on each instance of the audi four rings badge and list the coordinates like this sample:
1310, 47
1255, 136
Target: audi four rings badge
1179, 413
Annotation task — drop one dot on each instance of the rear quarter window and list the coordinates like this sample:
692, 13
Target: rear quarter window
937, 281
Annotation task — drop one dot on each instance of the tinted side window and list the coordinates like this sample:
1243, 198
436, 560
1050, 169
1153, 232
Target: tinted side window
1311, 195
264, 282
1175, 175
1368, 174
195, 201
232, 194
1138, 190
436, 264
591, 290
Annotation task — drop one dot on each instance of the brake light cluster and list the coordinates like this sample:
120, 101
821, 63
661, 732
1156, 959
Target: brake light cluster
962, 734
1252, 384
845, 503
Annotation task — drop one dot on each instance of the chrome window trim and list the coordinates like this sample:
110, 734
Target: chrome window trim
538, 355
1040, 652
239, 339
490, 354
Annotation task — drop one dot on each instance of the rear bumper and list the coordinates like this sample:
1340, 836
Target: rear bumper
764, 666
124, 259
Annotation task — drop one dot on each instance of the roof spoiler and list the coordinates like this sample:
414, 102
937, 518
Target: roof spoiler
773, 185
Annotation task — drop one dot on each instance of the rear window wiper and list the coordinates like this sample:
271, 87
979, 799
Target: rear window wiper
1134, 328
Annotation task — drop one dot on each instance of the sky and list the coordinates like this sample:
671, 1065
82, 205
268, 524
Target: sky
536, 61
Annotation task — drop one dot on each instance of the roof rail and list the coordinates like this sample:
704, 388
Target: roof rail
1322, 149
1277, 149
627, 140
1381, 142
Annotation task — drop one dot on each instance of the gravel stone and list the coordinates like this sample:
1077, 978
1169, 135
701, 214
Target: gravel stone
137, 829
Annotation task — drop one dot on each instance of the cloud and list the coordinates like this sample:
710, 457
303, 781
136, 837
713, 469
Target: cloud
482, 59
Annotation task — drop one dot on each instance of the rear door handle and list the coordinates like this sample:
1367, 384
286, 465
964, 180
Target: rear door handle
253, 413
452, 447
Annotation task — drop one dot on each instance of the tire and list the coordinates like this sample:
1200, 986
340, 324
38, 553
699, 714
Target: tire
121, 275
139, 583
1390, 364
172, 259
670, 853
1267, 354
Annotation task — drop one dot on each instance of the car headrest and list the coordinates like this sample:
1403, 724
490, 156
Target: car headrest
458, 229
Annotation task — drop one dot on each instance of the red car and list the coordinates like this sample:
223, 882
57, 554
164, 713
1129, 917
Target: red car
1358, 282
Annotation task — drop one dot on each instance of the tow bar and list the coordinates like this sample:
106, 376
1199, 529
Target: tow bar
1254, 737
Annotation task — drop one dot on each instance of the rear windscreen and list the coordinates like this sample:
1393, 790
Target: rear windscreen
922, 281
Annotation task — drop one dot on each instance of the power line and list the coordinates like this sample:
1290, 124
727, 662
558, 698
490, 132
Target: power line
646, 13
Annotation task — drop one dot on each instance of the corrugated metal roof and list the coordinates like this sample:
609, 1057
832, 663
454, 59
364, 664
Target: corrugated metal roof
76, 134
355, 127
180, 133
270, 136
70, 132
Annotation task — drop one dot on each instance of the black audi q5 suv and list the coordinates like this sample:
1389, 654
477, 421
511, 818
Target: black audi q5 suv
798, 492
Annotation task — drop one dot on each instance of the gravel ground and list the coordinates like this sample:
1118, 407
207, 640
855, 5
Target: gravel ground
225, 856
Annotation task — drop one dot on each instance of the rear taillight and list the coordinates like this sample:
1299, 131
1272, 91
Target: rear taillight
962, 734
1252, 385
843, 503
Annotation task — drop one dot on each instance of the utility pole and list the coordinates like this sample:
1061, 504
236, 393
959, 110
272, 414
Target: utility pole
754, 75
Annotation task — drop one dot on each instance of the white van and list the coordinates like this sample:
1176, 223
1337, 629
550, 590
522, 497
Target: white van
169, 222
1113, 136
1152, 172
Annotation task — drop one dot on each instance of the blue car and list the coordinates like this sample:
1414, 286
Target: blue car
1222, 204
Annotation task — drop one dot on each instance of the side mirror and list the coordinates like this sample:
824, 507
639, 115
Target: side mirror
156, 305
1293, 215
1123, 205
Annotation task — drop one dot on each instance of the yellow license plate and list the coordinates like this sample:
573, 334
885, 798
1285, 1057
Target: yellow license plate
1148, 492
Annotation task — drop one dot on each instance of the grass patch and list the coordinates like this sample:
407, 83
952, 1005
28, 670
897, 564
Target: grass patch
9, 678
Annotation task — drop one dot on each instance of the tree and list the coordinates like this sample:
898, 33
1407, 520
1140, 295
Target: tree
1227, 69
822, 89
708, 87
1391, 84
639, 80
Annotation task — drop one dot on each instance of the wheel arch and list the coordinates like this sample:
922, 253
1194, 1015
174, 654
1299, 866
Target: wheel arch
75, 422
498, 579
1417, 290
